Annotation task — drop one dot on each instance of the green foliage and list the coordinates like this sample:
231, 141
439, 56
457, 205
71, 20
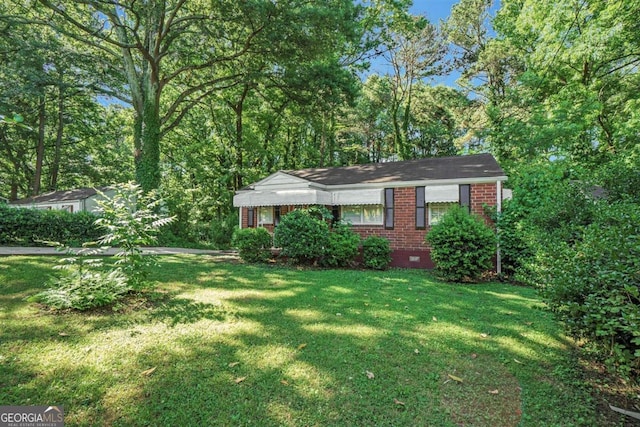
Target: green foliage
33, 227
83, 285
462, 245
515, 249
253, 244
342, 247
376, 253
303, 234
131, 220
593, 285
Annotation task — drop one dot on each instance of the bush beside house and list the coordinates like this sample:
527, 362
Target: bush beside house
376, 253
253, 244
462, 246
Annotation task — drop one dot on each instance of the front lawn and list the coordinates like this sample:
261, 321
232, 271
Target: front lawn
223, 343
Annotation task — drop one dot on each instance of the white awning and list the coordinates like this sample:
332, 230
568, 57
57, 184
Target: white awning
357, 197
441, 193
282, 198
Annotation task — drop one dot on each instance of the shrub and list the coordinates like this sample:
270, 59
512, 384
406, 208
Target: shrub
131, 220
303, 234
515, 245
376, 253
593, 286
83, 283
83, 289
342, 247
253, 244
462, 245
32, 227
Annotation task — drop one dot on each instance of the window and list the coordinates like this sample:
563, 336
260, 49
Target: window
388, 208
437, 211
420, 209
362, 215
68, 208
265, 215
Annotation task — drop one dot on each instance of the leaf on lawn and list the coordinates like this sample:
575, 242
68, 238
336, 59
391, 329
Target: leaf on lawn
494, 391
456, 379
63, 334
434, 318
338, 314
631, 414
370, 375
239, 380
398, 402
284, 382
232, 364
416, 351
528, 323
474, 356
517, 361
301, 346
484, 335
148, 371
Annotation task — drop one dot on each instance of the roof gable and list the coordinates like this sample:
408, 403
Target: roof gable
281, 179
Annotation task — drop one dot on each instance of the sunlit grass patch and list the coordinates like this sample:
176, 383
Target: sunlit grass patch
232, 344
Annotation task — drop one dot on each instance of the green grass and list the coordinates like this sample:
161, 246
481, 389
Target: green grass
223, 343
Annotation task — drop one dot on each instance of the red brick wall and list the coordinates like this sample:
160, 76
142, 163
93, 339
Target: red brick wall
407, 243
483, 194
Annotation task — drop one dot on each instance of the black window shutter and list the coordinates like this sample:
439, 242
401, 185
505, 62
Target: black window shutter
251, 217
465, 196
335, 212
388, 208
420, 208
276, 215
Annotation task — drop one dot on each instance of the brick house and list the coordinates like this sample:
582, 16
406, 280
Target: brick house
396, 200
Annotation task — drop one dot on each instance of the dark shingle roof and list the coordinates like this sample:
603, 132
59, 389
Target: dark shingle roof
433, 168
60, 196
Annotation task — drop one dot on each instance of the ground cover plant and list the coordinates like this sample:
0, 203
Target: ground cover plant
225, 343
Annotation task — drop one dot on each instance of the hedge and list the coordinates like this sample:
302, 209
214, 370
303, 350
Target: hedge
33, 227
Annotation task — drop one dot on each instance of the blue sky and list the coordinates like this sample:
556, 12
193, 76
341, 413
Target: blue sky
434, 10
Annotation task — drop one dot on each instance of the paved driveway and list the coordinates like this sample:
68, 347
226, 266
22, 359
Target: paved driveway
14, 250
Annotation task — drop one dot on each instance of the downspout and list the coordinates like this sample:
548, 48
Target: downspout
498, 209
240, 217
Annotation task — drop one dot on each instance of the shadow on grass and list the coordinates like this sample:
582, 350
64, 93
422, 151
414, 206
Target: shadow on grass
232, 344
175, 310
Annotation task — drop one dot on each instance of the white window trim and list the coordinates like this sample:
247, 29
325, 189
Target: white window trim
264, 209
362, 216
430, 205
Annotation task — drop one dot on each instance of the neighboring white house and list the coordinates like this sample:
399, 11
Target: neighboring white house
76, 200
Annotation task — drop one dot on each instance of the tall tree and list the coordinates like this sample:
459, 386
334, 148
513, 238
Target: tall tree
195, 47
415, 50
575, 96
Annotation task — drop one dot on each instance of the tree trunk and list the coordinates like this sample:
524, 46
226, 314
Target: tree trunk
55, 164
37, 177
147, 145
